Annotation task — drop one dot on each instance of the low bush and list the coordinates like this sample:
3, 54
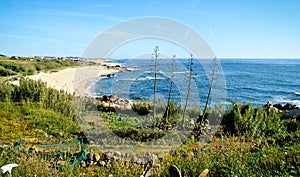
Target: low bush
244, 120
141, 108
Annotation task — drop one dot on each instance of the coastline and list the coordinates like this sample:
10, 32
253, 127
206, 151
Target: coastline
74, 80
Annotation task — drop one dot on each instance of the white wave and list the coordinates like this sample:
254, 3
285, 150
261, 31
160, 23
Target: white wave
125, 80
152, 78
181, 72
283, 100
147, 72
131, 69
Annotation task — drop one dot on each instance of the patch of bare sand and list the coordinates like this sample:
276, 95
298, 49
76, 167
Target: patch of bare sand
72, 80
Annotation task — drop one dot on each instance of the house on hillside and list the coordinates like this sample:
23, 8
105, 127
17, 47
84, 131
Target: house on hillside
14, 57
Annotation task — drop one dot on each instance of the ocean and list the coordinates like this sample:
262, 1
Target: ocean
246, 80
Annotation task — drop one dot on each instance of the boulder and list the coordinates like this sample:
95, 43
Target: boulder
102, 163
96, 157
105, 98
152, 170
108, 155
278, 106
288, 107
292, 114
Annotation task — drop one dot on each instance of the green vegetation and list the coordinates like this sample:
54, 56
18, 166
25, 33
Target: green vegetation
251, 141
29, 66
252, 123
35, 112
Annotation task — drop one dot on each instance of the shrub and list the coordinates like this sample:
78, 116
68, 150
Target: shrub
244, 120
6, 72
141, 108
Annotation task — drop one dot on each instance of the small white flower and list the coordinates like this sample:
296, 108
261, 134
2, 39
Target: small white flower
8, 167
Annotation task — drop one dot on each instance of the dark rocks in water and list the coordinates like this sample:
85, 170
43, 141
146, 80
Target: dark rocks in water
290, 111
278, 106
292, 114
111, 75
108, 75
107, 98
269, 105
288, 107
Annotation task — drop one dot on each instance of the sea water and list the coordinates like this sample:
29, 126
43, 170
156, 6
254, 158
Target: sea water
247, 80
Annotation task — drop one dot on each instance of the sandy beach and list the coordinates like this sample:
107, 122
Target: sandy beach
73, 80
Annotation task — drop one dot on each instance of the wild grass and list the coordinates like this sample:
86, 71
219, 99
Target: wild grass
29, 66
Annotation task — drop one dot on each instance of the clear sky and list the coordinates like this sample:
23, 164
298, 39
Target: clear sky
233, 28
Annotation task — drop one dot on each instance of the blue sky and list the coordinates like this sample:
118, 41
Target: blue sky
232, 28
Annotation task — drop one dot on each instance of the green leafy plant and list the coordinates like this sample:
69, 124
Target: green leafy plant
244, 120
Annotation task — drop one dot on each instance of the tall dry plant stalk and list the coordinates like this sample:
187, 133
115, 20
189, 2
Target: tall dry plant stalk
155, 56
189, 88
167, 111
214, 66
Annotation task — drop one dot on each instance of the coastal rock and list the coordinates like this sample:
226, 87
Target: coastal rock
108, 75
269, 106
108, 155
132, 157
288, 107
152, 170
96, 157
278, 106
292, 114
150, 158
113, 97
117, 154
102, 163
115, 102
290, 111
104, 98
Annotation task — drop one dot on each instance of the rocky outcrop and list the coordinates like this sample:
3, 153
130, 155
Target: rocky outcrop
114, 101
286, 107
289, 111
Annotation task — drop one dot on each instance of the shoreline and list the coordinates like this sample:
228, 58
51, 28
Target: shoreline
74, 80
